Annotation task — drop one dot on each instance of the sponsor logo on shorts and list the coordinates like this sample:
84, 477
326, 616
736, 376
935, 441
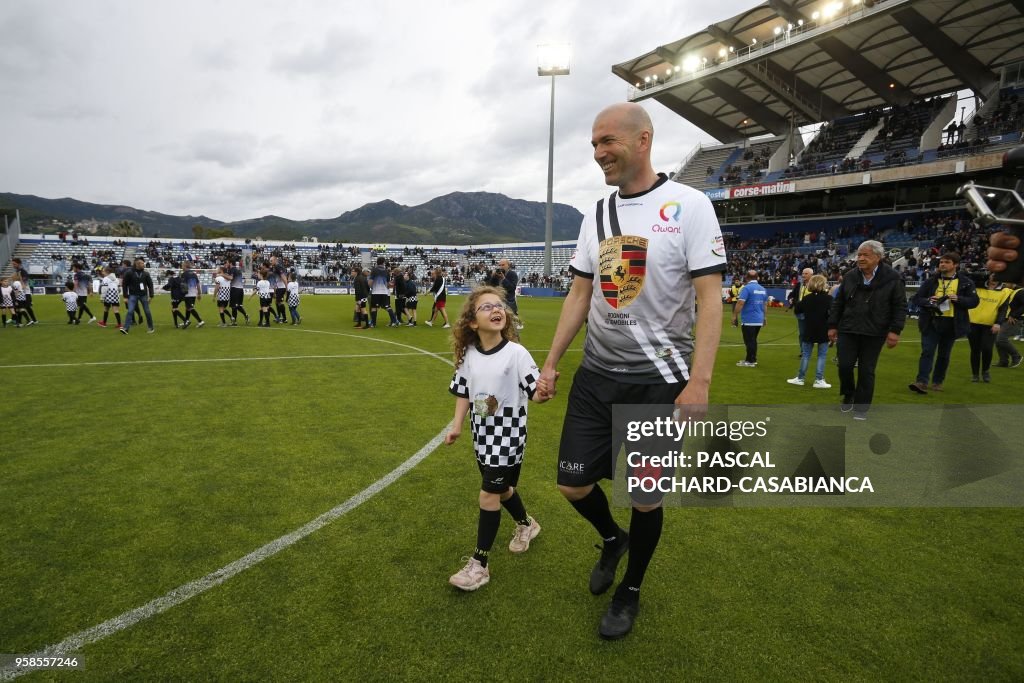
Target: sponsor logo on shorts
566, 466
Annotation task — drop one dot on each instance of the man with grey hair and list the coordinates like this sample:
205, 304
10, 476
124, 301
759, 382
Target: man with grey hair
869, 311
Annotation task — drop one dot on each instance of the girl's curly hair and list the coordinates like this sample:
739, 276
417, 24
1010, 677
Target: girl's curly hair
464, 336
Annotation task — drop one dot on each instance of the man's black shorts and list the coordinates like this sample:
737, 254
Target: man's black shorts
237, 296
380, 301
585, 455
498, 479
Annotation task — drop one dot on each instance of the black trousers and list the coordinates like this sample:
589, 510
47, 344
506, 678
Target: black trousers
750, 333
861, 350
982, 342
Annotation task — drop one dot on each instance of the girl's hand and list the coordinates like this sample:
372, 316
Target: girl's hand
452, 436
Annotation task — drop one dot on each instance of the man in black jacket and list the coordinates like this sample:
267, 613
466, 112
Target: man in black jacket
869, 311
944, 300
139, 287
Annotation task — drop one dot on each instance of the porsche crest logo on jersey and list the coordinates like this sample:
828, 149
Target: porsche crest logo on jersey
622, 264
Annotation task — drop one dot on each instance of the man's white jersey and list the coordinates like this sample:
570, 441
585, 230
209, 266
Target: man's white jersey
642, 252
264, 290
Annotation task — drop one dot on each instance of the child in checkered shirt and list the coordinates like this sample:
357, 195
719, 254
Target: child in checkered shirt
495, 377
70, 302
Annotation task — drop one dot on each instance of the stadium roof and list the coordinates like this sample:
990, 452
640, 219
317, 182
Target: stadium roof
790, 63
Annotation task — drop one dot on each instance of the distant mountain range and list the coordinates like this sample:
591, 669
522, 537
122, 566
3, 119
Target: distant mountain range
456, 218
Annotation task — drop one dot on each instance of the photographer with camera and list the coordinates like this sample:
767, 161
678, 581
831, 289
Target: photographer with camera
945, 299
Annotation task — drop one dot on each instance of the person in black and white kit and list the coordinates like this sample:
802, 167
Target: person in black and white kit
266, 294
193, 293
494, 380
380, 293
18, 294
398, 285
293, 297
21, 275
439, 290
645, 256
361, 288
237, 291
411, 298
222, 292
110, 293
70, 301
83, 283
176, 289
278, 277
7, 303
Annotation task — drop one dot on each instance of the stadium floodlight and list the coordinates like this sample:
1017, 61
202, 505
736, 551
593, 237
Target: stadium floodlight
691, 63
552, 60
722, 52
815, 15
778, 30
799, 22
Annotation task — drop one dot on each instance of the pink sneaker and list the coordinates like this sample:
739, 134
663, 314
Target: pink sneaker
525, 533
472, 576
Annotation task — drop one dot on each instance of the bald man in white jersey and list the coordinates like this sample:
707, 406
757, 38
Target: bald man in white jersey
644, 256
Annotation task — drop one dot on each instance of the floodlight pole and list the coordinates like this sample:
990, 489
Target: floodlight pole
549, 66
549, 210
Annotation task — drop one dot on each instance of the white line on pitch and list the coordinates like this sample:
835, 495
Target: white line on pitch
213, 360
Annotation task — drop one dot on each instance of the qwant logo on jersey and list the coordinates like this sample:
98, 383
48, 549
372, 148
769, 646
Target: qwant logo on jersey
670, 211
622, 264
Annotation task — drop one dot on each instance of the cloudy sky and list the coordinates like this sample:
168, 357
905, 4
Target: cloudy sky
239, 108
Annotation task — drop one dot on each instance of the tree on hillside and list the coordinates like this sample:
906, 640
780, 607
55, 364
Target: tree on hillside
126, 229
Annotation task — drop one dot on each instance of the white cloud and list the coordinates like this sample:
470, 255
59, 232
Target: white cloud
236, 109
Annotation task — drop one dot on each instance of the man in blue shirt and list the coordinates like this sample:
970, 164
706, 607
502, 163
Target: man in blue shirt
752, 309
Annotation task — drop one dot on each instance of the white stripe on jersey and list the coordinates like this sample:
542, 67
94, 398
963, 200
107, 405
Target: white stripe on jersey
648, 348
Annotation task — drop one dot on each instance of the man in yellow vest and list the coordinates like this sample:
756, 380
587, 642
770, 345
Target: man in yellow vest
987, 318
945, 298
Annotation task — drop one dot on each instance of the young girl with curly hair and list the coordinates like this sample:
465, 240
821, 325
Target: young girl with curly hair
495, 377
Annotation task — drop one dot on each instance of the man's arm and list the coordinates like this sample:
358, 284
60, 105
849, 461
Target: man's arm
574, 313
709, 333
736, 310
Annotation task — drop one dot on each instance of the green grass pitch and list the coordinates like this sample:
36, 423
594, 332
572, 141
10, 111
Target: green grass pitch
134, 465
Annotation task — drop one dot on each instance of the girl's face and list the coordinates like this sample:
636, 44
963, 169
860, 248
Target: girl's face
490, 314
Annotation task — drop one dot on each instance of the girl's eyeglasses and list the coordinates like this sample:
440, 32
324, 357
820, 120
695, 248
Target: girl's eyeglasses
490, 306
